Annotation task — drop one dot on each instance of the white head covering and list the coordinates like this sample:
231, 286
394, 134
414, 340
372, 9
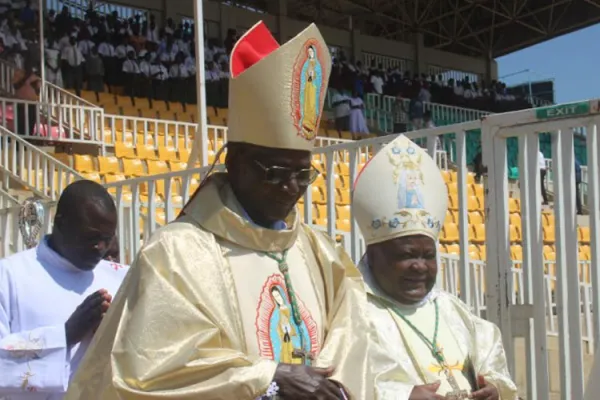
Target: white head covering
400, 192
276, 93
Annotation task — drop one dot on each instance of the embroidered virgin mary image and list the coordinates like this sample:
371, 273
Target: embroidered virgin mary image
285, 333
409, 177
309, 74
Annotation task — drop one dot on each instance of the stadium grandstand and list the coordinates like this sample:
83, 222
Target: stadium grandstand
118, 105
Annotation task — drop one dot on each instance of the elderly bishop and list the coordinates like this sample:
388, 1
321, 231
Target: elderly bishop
444, 351
237, 298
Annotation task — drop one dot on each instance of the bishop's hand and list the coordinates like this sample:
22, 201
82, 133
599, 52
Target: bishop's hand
426, 392
87, 316
304, 382
486, 391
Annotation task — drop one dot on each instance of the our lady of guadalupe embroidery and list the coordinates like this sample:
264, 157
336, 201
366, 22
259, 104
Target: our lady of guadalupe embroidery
279, 337
308, 89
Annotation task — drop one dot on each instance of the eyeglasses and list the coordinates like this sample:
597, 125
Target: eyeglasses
276, 175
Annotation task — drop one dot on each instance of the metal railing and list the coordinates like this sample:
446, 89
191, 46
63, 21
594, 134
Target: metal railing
32, 168
52, 122
57, 95
7, 73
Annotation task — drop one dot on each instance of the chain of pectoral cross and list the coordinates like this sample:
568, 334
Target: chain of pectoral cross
305, 356
437, 353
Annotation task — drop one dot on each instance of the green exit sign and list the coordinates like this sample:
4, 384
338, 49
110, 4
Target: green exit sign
563, 111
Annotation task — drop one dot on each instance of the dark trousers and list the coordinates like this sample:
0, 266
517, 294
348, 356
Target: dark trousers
26, 117
578, 198
73, 77
543, 183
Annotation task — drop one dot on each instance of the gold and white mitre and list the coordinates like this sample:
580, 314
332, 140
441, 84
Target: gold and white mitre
400, 192
276, 93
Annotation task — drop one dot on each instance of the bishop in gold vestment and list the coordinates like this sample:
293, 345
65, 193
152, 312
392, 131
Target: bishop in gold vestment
400, 201
214, 301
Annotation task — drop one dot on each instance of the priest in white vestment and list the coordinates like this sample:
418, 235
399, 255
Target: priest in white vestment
53, 296
237, 298
400, 203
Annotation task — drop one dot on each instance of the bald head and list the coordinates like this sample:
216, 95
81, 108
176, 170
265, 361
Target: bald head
85, 224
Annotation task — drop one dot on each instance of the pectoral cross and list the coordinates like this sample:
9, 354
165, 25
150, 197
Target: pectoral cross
457, 393
306, 357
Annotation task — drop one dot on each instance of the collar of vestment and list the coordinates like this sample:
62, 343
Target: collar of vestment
215, 208
374, 291
47, 256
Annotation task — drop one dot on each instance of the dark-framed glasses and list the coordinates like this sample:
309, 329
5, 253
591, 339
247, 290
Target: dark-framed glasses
276, 175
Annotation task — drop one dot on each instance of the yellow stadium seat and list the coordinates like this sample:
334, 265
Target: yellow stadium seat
514, 205
548, 234
157, 167
167, 153
548, 219
446, 175
343, 168
108, 165
343, 225
473, 204
177, 166
343, 211
516, 252
342, 196
449, 233
133, 167
453, 202
449, 218
452, 188
112, 178
584, 234
124, 150
453, 249
470, 178
321, 210
478, 233
145, 151
318, 196
64, 158
476, 217
92, 176
83, 163
482, 252
515, 219
184, 154
515, 233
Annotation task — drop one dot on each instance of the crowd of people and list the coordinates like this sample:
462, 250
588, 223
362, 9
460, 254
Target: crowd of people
105, 51
360, 79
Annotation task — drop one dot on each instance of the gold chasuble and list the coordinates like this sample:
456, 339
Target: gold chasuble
207, 311
204, 313
400, 193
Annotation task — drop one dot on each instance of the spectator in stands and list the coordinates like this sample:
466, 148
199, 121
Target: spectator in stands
341, 110
73, 67
478, 167
27, 87
95, 71
399, 115
131, 72
52, 60
160, 78
178, 74
542, 167
415, 111
358, 123
578, 187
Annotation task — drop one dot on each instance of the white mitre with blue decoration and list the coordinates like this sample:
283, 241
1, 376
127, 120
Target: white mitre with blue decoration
400, 192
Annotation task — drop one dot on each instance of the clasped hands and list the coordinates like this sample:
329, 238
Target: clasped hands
304, 382
486, 391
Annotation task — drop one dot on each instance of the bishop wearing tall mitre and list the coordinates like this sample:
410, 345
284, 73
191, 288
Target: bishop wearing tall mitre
238, 299
443, 350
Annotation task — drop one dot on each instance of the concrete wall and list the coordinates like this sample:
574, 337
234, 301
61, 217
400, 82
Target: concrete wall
220, 17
